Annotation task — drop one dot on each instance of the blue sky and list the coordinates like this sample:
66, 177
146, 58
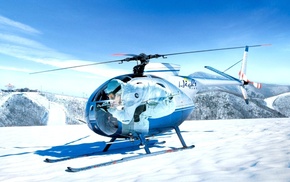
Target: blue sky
47, 34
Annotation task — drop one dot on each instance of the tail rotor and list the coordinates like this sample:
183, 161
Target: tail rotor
243, 76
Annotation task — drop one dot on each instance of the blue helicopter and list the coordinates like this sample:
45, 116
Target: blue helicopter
153, 99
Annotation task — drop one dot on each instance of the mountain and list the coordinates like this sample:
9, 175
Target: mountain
34, 108
269, 90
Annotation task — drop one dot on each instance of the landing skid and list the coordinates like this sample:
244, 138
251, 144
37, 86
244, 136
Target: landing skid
143, 142
126, 159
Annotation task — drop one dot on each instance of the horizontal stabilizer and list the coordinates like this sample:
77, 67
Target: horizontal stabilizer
222, 74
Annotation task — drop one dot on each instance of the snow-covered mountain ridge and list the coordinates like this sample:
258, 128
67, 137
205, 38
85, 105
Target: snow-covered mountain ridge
23, 109
223, 105
34, 108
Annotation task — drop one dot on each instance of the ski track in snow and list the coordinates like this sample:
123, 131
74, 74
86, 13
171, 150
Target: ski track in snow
226, 150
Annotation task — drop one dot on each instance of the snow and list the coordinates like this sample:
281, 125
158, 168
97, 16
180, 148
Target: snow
57, 114
226, 150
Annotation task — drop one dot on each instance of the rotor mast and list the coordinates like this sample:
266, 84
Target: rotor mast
138, 70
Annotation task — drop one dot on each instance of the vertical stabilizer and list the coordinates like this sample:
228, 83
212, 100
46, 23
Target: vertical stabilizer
243, 70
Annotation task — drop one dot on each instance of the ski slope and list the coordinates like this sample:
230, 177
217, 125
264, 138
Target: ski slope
56, 114
270, 100
226, 150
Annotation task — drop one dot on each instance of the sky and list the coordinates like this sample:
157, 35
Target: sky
49, 34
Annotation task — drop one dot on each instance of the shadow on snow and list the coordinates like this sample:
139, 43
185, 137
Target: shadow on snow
70, 151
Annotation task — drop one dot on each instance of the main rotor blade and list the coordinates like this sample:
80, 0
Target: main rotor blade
58, 69
209, 50
122, 54
147, 57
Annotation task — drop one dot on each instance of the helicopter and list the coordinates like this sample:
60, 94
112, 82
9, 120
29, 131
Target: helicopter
153, 99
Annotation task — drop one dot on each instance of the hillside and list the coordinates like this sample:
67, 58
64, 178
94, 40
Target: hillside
280, 103
223, 105
74, 107
34, 109
23, 109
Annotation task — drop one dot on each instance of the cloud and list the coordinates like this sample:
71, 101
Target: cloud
14, 39
50, 57
15, 69
41, 54
17, 25
17, 45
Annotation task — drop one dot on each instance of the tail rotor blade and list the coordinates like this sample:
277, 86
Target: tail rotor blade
243, 77
245, 95
257, 85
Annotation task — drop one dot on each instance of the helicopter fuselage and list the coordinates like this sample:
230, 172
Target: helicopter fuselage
159, 104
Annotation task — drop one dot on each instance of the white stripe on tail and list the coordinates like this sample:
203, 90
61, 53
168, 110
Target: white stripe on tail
244, 64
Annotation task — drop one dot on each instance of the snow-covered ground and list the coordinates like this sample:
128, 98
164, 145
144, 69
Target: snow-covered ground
226, 150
